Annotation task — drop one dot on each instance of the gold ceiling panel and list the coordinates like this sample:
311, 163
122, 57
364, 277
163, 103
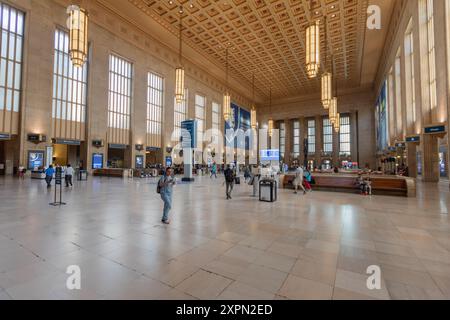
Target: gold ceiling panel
268, 37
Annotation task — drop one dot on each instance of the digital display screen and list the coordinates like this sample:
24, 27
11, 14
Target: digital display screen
270, 155
97, 161
168, 161
35, 159
139, 162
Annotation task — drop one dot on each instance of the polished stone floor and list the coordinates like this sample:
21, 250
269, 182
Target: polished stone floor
317, 246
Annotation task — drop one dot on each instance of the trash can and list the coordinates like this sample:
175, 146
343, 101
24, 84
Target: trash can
268, 190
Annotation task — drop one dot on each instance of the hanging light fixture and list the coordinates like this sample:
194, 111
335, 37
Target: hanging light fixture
226, 96
312, 47
179, 71
332, 110
270, 124
327, 77
335, 117
326, 89
78, 35
253, 112
337, 123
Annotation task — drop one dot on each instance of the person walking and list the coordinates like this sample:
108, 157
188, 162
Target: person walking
22, 171
214, 170
230, 177
68, 175
298, 181
308, 180
165, 188
49, 172
247, 174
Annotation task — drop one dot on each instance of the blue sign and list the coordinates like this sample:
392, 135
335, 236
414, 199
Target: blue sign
139, 162
97, 161
35, 159
435, 129
189, 140
270, 155
168, 162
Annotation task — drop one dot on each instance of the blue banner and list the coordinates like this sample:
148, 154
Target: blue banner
240, 119
381, 120
191, 127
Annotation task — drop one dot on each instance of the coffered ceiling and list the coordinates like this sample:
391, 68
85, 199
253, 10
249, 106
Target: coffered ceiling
267, 38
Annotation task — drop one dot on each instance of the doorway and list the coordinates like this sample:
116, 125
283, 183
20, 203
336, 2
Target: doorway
116, 158
64, 154
151, 158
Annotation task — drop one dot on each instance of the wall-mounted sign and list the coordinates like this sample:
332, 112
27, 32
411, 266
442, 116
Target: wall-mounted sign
36, 138
139, 147
5, 136
391, 149
117, 146
413, 139
150, 149
270, 155
67, 142
434, 129
97, 161
400, 145
98, 143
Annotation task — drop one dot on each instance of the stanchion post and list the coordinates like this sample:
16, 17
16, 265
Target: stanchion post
58, 181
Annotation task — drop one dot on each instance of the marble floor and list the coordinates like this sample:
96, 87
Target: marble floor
317, 246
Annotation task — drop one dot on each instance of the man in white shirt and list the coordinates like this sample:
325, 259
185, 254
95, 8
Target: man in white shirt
298, 181
68, 176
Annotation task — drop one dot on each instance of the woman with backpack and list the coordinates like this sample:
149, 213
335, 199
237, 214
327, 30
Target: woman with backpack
165, 188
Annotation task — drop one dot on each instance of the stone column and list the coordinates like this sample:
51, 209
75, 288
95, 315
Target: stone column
289, 141
319, 141
303, 136
430, 158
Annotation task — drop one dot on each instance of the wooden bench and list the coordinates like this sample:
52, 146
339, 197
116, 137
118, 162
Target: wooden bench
381, 185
